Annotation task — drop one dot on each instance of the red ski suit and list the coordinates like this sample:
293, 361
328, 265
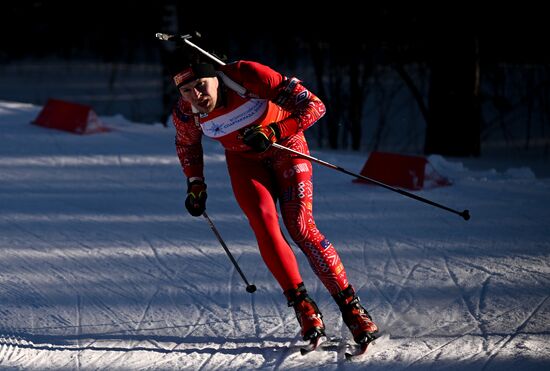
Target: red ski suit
259, 179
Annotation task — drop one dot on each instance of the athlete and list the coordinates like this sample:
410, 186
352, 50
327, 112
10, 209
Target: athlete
247, 106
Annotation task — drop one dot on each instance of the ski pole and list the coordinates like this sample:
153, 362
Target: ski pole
464, 214
185, 38
249, 288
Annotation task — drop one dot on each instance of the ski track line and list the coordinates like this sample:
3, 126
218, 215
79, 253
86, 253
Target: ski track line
208, 257
535, 274
146, 310
367, 281
67, 365
438, 348
62, 274
197, 294
78, 329
168, 273
202, 308
284, 354
386, 274
479, 267
387, 299
471, 310
193, 245
144, 314
255, 316
192, 327
365, 260
104, 308
53, 247
514, 268
204, 363
114, 316
469, 329
288, 351
10, 348
282, 321
511, 337
482, 300
168, 278
160, 263
36, 359
230, 294
5, 352
196, 323
393, 301
393, 255
110, 285
57, 251
26, 231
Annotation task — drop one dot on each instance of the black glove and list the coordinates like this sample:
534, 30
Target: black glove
260, 138
196, 197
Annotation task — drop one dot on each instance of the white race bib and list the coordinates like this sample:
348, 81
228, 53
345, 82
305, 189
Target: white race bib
240, 117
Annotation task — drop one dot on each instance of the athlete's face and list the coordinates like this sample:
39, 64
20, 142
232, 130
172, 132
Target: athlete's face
201, 93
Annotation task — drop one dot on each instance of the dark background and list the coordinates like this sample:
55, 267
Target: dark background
473, 72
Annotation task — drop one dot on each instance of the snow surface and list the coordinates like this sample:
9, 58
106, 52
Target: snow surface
102, 268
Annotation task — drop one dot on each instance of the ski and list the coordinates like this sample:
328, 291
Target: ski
361, 349
321, 342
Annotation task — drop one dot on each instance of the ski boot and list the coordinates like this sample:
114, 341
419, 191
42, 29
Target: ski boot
358, 320
307, 313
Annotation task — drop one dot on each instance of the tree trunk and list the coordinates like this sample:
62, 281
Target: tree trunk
331, 94
360, 71
454, 111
